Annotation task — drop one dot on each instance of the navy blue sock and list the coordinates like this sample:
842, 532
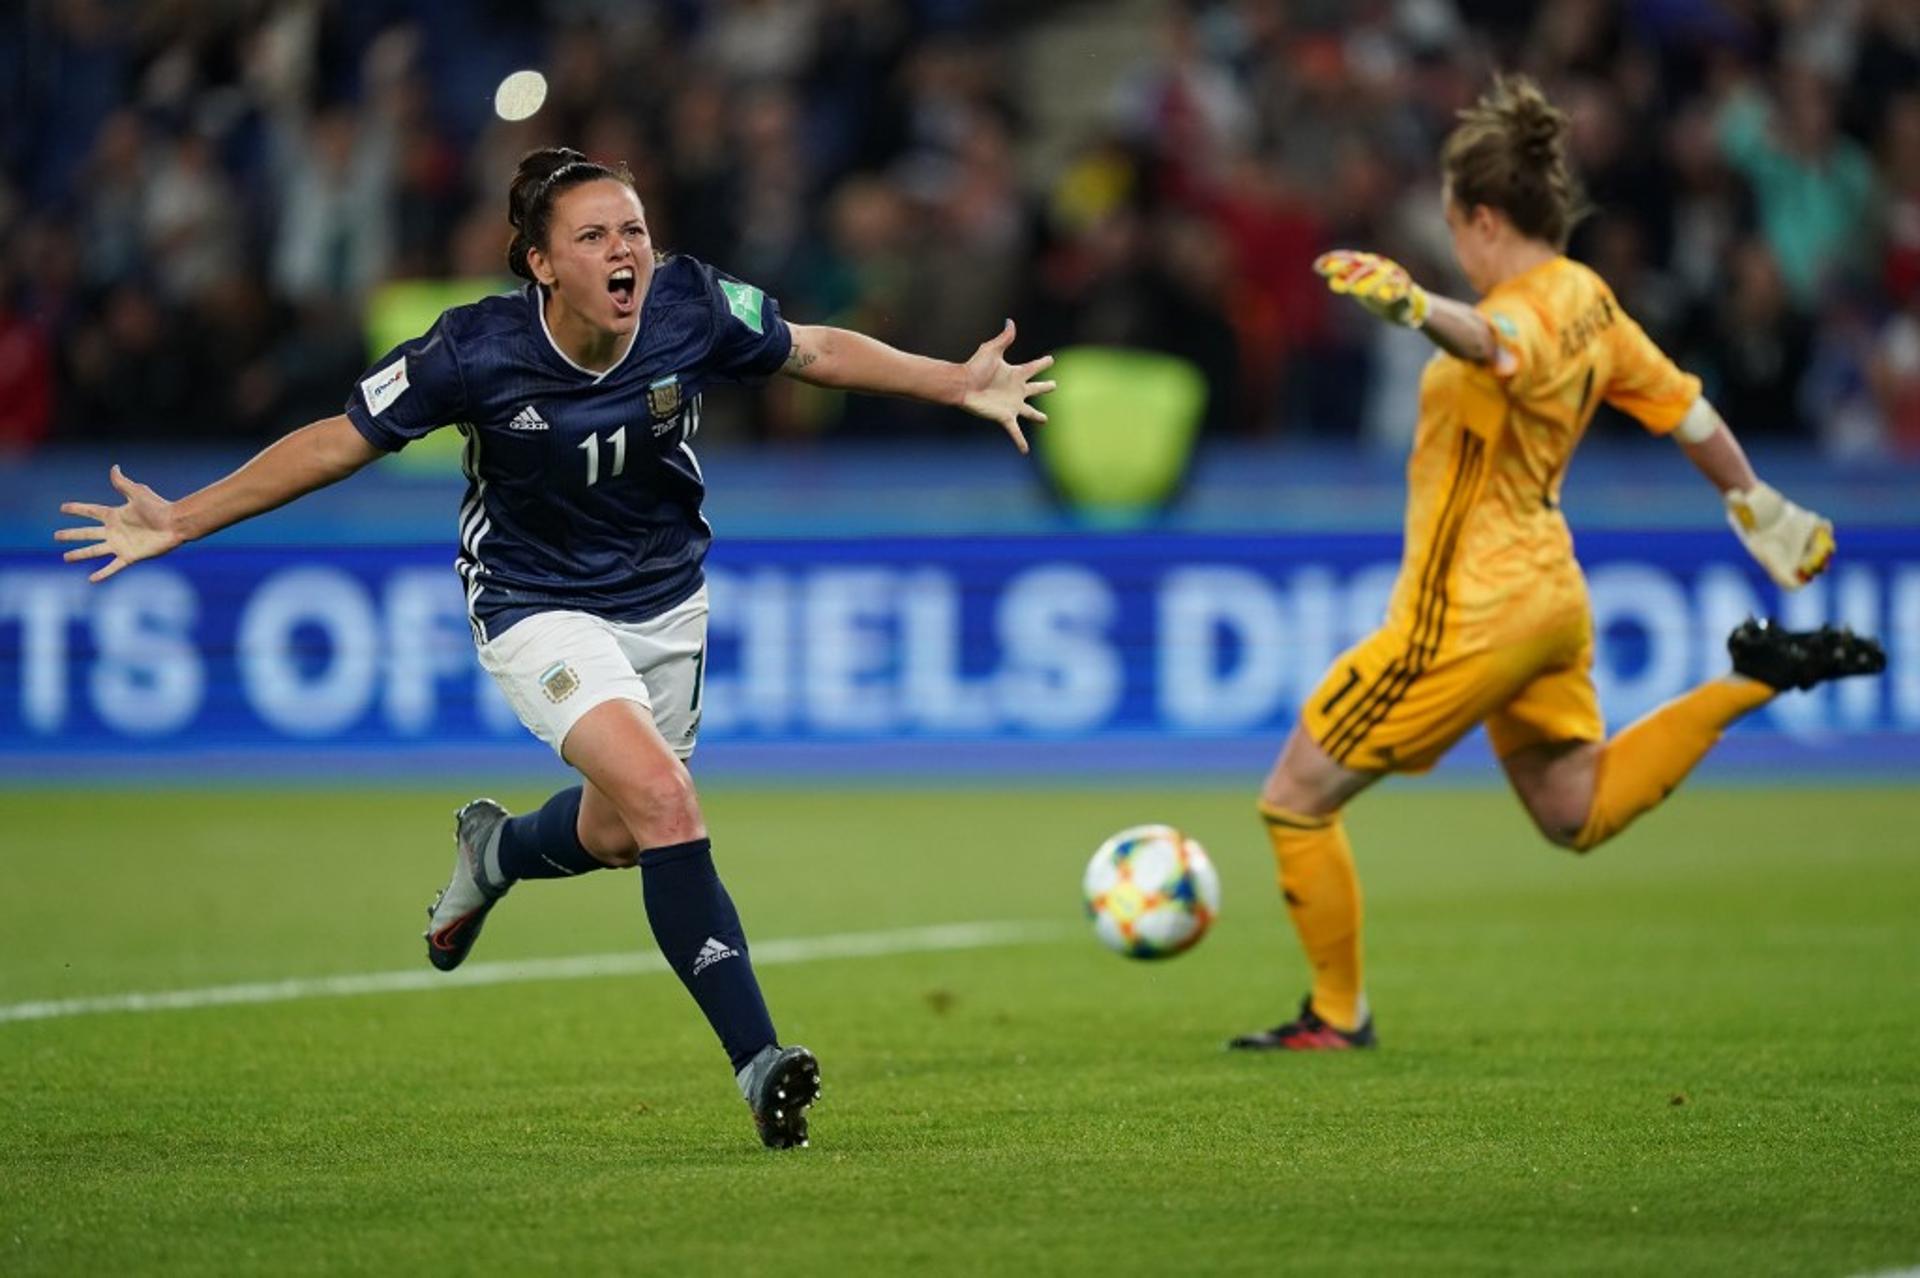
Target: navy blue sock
699, 934
543, 844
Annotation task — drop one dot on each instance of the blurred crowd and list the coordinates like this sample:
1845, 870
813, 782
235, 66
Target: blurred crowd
198, 198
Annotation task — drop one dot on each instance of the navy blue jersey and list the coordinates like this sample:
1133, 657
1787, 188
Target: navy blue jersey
582, 488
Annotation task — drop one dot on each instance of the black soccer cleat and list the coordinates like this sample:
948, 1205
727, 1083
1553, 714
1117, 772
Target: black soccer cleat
782, 1084
1784, 659
1307, 1033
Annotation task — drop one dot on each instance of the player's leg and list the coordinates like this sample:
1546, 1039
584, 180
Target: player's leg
618, 748
1300, 804
1581, 791
575, 832
552, 667
603, 831
1389, 704
1554, 782
669, 653
1350, 729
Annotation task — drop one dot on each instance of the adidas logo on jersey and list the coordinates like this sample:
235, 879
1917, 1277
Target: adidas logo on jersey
710, 953
528, 418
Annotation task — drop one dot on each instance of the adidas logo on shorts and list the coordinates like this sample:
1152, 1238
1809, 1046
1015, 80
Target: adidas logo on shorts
528, 418
710, 953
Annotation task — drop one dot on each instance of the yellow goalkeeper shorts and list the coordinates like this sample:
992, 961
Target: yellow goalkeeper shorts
1389, 704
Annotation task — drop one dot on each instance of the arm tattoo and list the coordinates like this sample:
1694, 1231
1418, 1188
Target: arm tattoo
798, 358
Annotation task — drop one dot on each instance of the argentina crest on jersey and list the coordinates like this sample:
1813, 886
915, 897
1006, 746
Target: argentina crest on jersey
669, 406
663, 397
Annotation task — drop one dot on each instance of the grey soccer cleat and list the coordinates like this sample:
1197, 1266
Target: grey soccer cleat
780, 1085
457, 913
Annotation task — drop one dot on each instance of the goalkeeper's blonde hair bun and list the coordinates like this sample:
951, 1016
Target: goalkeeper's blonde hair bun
1509, 152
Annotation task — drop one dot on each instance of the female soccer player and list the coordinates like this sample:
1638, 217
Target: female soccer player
1489, 621
581, 543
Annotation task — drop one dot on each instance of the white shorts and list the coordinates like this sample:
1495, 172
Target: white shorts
556, 666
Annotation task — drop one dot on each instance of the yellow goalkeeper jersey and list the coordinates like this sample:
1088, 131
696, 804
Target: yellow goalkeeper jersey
1488, 558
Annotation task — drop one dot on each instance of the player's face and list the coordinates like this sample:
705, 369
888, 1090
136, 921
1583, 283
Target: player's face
599, 258
1469, 228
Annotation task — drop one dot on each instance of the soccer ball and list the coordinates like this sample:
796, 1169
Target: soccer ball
1151, 892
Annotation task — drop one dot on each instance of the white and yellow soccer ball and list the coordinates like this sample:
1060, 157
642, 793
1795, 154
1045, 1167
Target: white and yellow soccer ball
1151, 892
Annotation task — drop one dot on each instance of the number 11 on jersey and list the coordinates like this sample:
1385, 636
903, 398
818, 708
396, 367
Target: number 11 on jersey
591, 446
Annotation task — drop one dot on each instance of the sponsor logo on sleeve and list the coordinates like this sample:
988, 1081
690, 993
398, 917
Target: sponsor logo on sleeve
385, 386
744, 301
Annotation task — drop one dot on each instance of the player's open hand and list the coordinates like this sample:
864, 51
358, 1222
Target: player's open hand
999, 391
1378, 283
140, 528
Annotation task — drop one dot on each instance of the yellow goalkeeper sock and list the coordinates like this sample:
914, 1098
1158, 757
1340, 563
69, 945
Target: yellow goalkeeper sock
1642, 765
1323, 896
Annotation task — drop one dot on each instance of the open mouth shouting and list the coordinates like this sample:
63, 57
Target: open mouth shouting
621, 285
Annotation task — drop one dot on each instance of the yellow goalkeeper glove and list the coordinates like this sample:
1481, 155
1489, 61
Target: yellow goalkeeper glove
1378, 283
1792, 544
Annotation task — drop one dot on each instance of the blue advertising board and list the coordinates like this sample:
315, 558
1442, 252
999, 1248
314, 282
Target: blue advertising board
1147, 651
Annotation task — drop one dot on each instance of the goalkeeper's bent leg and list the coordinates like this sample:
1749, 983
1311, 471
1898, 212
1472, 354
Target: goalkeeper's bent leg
1643, 764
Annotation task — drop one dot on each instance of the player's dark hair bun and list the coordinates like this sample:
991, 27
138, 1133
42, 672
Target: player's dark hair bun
543, 174
536, 167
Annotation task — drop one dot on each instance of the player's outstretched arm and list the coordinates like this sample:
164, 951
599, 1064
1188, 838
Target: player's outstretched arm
1385, 288
1793, 544
986, 385
147, 524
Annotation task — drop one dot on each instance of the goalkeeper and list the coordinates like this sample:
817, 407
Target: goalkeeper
1489, 621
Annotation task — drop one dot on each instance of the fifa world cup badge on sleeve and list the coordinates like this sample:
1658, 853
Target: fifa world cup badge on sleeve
385, 386
744, 301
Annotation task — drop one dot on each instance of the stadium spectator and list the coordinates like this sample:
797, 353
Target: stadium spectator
132, 374
116, 200
1900, 268
1752, 346
336, 203
191, 230
701, 201
1895, 371
1814, 186
1711, 209
1837, 392
26, 374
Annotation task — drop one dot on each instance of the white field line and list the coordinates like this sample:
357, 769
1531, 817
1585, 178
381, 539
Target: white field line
799, 949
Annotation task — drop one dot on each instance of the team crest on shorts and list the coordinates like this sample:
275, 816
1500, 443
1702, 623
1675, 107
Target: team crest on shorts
559, 681
663, 397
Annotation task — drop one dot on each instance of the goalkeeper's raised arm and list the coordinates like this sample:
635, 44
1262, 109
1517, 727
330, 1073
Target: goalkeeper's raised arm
1794, 545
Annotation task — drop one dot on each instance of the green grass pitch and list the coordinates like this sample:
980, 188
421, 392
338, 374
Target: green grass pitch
1696, 1051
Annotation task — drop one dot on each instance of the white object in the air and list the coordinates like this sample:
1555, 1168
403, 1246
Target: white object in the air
520, 95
